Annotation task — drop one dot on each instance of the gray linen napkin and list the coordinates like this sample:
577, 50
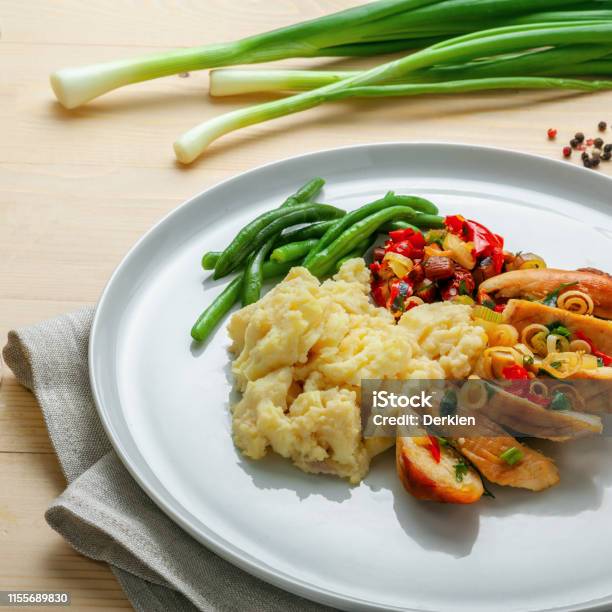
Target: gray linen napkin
103, 513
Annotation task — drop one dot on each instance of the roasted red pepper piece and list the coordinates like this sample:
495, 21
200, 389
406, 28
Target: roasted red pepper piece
434, 448
521, 387
378, 293
515, 372
456, 225
486, 243
415, 238
606, 359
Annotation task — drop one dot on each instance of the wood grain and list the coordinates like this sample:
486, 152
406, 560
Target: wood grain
78, 188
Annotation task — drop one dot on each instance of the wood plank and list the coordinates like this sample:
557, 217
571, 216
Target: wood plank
139, 24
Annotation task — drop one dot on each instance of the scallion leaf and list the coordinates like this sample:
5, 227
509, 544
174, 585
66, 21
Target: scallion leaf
512, 455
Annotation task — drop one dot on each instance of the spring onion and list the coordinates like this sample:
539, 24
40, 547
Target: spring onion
568, 61
512, 455
378, 27
374, 82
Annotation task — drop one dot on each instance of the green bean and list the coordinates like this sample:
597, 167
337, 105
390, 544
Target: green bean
306, 193
256, 233
426, 221
222, 304
293, 250
309, 232
314, 230
272, 269
353, 217
219, 307
325, 260
253, 275
399, 225
210, 259
359, 251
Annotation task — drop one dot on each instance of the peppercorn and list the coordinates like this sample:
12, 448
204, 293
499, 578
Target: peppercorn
552, 133
584, 156
598, 143
567, 151
607, 148
586, 163
579, 136
602, 125
595, 162
606, 156
573, 143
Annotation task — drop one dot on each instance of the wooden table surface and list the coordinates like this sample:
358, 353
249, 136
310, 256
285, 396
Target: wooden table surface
77, 188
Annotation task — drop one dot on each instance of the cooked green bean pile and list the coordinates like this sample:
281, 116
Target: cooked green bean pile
325, 237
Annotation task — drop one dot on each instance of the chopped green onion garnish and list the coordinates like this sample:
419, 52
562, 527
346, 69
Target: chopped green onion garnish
551, 298
559, 330
461, 470
512, 455
560, 401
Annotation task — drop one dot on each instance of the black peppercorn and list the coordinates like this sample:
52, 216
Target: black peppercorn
573, 143
602, 125
594, 162
579, 136
608, 148
584, 156
606, 156
586, 162
598, 142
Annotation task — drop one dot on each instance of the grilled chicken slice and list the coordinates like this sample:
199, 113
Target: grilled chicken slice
427, 479
537, 283
521, 313
519, 414
534, 471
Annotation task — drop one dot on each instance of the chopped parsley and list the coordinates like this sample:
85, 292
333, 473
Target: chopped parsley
461, 470
488, 304
528, 360
551, 298
559, 330
463, 290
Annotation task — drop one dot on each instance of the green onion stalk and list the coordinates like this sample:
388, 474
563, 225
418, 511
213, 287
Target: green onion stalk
373, 82
571, 60
378, 27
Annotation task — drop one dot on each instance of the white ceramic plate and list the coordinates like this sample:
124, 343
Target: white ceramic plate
164, 403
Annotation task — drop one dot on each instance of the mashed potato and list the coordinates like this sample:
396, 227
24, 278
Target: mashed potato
302, 350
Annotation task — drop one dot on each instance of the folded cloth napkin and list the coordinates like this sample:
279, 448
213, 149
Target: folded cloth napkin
103, 513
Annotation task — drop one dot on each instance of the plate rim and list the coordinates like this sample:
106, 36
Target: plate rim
219, 545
